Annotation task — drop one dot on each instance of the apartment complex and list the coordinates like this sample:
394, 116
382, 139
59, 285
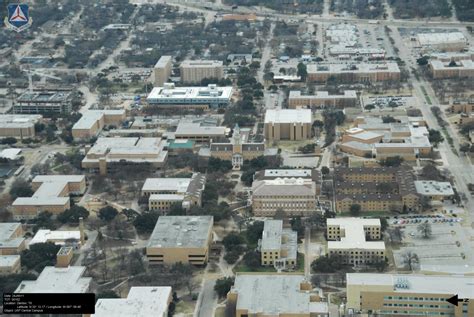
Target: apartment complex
51, 194
58, 280
372, 138
461, 106
44, 102
322, 99
194, 71
18, 125
172, 97
162, 70
276, 295
376, 189
353, 72
452, 69
184, 239
141, 301
93, 121
288, 124
357, 241
409, 294
113, 153
278, 246
295, 196
162, 193
448, 41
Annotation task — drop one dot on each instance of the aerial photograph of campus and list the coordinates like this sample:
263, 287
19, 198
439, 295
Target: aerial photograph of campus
237, 158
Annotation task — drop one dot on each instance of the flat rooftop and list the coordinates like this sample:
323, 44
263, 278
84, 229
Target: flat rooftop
141, 301
18, 120
464, 64
275, 237
179, 185
200, 63
434, 188
57, 280
190, 128
9, 260
354, 234
189, 94
181, 232
284, 186
45, 235
288, 116
274, 294
441, 38
353, 68
90, 118
303, 173
7, 230
347, 94
165, 59
44, 96
418, 283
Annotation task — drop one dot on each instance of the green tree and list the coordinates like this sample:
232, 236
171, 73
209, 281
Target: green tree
232, 241
9, 140
435, 137
302, 71
355, 210
20, 188
325, 170
252, 259
223, 286
39, 255
145, 223
327, 264
254, 232
107, 213
73, 214
106, 294
391, 161
369, 107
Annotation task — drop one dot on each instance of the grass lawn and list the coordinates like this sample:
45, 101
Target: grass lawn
184, 307
241, 267
428, 100
300, 262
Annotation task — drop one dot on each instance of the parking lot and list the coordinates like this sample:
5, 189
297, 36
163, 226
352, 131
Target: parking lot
447, 246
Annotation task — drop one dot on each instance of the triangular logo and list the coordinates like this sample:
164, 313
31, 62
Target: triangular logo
453, 300
19, 16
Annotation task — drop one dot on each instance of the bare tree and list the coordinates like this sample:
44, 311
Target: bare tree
425, 230
410, 259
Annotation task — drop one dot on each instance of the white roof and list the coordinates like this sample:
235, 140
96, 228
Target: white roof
418, 283
288, 116
287, 173
57, 280
141, 301
170, 93
432, 188
18, 120
58, 236
8, 260
165, 59
274, 295
179, 185
200, 63
90, 117
353, 68
10, 154
348, 94
188, 128
166, 197
441, 38
354, 234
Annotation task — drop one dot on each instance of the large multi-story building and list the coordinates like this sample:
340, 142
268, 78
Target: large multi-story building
169, 96
184, 239
18, 125
276, 295
141, 301
460, 69
448, 41
295, 196
376, 189
51, 194
44, 102
278, 246
372, 138
354, 72
162, 70
162, 193
93, 121
194, 71
409, 294
58, 280
357, 241
114, 153
237, 149
288, 124
322, 99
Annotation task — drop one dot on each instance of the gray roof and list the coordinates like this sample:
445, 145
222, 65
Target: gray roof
181, 232
9, 260
429, 188
274, 294
57, 280
6, 232
274, 237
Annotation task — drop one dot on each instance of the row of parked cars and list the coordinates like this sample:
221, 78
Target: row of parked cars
412, 219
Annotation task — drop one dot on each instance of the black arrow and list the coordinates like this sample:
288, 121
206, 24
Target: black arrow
454, 300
